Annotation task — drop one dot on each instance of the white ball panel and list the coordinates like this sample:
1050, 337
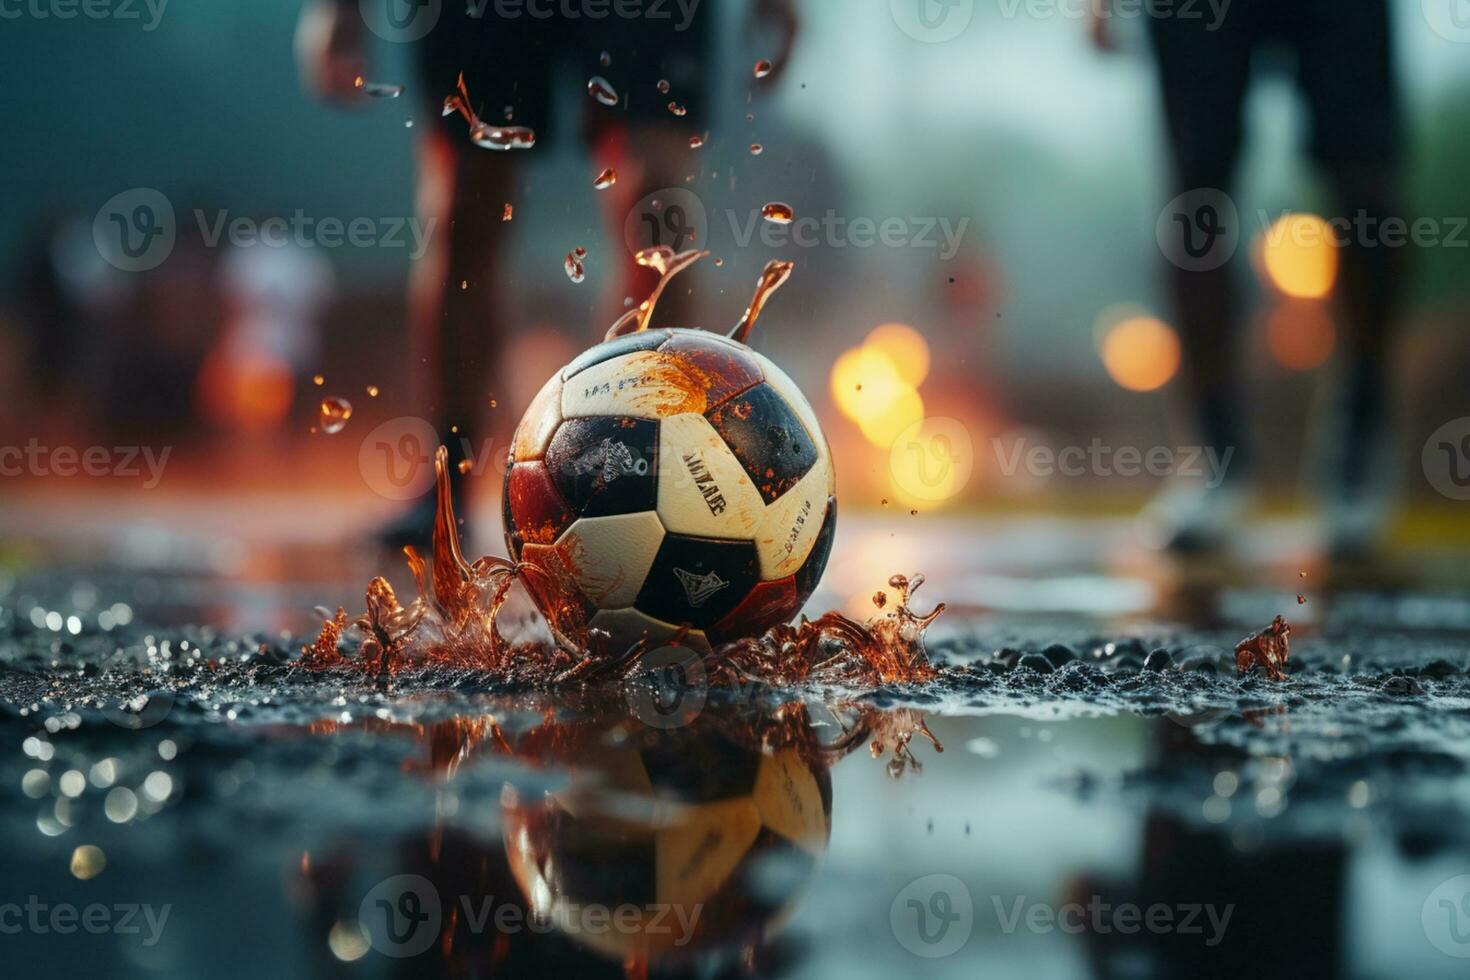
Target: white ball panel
610, 556
539, 423
792, 523
640, 385
702, 488
629, 625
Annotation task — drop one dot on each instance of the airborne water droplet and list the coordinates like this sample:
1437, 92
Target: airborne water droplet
677, 109
695, 142
756, 149
502, 137
606, 179
318, 380
372, 391
576, 271
378, 90
604, 59
762, 68
778, 213
335, 413
508, 213
601, 90
663, 86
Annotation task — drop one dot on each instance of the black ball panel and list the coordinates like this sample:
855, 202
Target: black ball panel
810, 571
696, 581
766, 436
605, 466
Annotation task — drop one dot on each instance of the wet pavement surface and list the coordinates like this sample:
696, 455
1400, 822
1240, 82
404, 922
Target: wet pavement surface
1086, 789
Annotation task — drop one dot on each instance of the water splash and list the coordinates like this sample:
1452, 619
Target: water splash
334, 414
606, 179
377, 90
778, 213
601, 90
667, 264
454, 621
574, 265
482, 133
1268, 649
773, 277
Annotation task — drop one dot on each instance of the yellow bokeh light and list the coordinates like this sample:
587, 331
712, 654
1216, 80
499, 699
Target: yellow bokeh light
1141, 354
905, 347
881, 428
1299, 255
864, 383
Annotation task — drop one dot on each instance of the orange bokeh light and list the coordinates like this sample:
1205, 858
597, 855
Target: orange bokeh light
1300, 335
1141, 353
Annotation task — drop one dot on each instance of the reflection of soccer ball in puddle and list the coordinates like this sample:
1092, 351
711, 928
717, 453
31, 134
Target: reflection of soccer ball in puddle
689, 840
679, 479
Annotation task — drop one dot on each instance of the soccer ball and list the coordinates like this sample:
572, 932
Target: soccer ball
680, 479
708, 839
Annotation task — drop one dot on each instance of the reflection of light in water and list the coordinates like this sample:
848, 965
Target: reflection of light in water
905, 347
1141, 354
1299, 257
1300, 336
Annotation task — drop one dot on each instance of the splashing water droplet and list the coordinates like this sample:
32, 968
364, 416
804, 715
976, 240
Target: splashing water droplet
762, 68
778, 213
335, 413
605, 179
372, 391
695, 142
508, 213
318, 380
601, 90
750, 117
604, 59
677, 109
465, 466
576, 270
494, 403
502, 137
756, 149
377, 90
719, 262
663, 86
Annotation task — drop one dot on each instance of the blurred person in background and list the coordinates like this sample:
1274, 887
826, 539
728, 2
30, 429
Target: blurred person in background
1343, 55
509, 65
